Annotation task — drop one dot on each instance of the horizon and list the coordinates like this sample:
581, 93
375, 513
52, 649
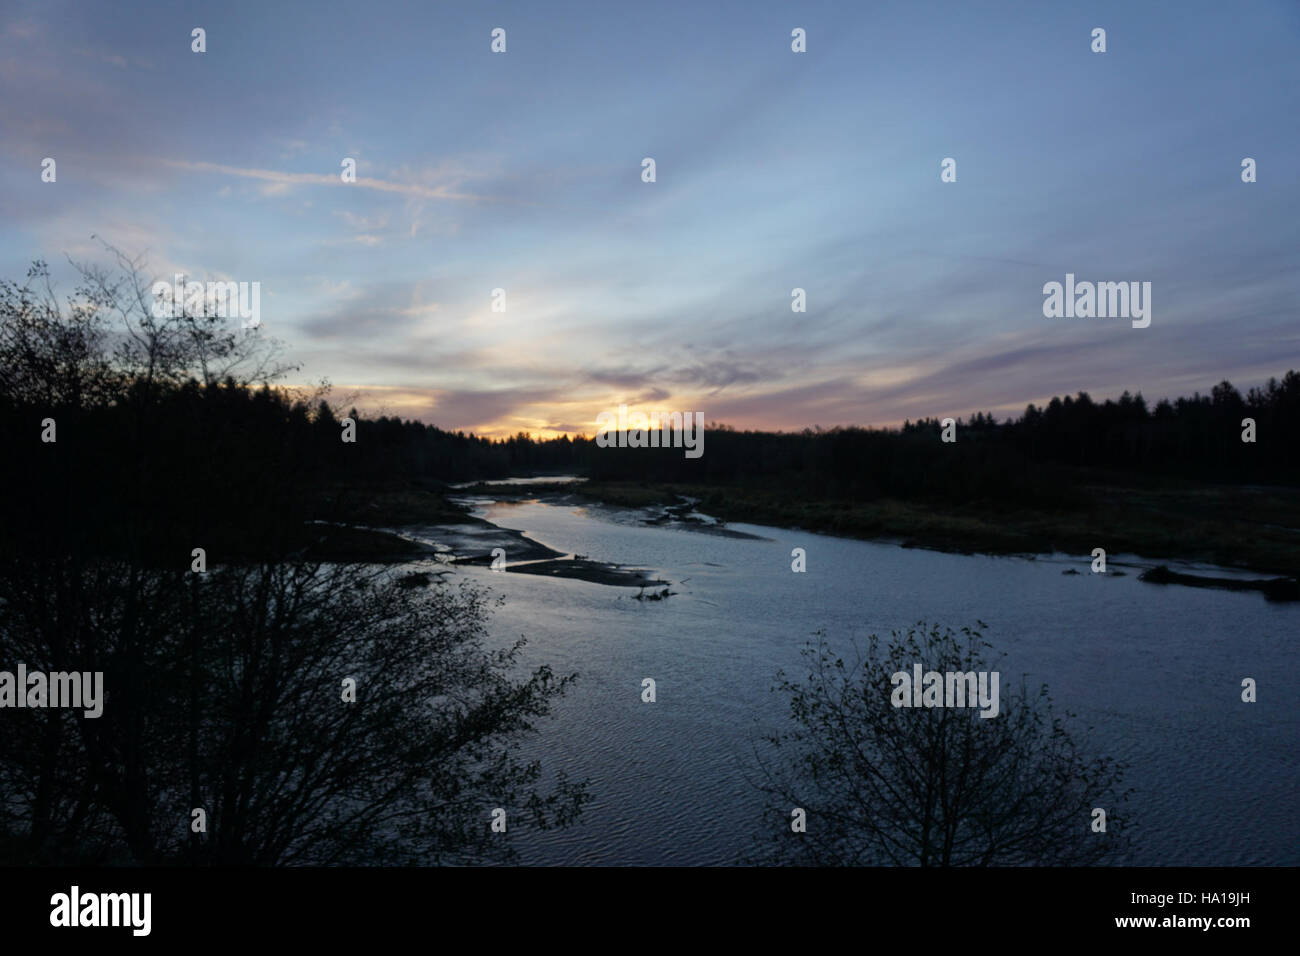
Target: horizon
1008, 419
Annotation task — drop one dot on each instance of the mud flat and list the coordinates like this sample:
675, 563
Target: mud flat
579, 569
1275, 589
473, 541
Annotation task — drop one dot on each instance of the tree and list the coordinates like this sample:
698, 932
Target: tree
49, 357
168, 346
224, 688
937, 786
226, 692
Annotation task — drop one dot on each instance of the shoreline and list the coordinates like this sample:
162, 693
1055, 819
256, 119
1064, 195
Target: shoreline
1158, 526
409, 524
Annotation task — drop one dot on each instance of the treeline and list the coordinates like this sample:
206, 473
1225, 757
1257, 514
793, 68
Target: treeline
236, 469
1200, 436
410, 448
141, 438
1033, 459
146, 425
123, 474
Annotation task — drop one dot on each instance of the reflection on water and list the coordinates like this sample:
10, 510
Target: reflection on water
1156, 671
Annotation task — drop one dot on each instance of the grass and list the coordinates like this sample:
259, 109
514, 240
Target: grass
1255, 529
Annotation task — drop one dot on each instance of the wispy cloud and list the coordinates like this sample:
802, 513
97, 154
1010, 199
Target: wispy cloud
283, 180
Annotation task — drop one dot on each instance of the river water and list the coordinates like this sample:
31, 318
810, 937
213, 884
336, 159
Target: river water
1155, 671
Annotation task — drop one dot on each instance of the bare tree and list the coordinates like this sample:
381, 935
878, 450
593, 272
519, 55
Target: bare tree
107, 339
937, 786
227, 692
174, 344
52, 357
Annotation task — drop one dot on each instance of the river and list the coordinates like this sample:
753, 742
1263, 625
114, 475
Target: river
1155, 671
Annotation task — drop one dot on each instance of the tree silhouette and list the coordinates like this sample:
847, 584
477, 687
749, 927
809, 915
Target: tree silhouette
225, 692
938, 786
224, 687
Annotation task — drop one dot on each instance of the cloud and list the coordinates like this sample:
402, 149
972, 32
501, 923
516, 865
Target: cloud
441, 192
363, 223
718, 375
23, 29
478, 408
622, 377
113, 59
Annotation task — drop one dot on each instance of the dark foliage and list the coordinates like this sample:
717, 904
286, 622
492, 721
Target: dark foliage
936, 786
225, 688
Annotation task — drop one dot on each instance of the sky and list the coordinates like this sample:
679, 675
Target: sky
774, 170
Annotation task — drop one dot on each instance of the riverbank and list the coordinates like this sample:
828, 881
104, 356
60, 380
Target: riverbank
1250, 529
405, 524
1242, 528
